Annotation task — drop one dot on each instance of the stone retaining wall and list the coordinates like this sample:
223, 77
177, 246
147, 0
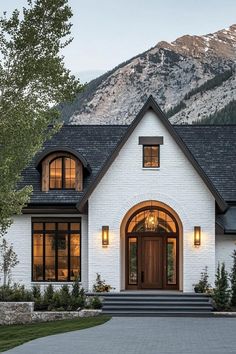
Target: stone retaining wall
23, 312
16, 312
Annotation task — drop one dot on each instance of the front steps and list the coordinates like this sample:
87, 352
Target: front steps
159, 304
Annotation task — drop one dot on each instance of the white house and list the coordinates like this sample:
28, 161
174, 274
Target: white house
147, 206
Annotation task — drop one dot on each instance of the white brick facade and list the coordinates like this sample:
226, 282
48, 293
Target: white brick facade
176, 184
126, 184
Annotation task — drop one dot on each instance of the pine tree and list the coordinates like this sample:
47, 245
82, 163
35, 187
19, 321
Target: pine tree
233, 280
221, 293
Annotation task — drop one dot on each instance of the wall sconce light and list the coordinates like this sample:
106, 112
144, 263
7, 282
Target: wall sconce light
105, 236
197, 236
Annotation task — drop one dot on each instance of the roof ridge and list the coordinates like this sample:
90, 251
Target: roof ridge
95, 125
204, 125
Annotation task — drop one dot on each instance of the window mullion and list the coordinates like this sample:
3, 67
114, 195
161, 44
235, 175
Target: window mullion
68, 262
63, 173
56, 252
44, 248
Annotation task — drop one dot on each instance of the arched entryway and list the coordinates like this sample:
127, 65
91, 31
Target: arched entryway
152, 249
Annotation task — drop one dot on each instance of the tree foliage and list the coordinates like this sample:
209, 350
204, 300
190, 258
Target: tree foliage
226, 115
233, 280
8, 260
33, 81
203, 286
210, 84
221, 292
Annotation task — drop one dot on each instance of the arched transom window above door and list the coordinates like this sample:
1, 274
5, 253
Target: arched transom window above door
152, 219
62, 170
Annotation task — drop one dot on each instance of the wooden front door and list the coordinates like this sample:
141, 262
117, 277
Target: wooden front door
151, 262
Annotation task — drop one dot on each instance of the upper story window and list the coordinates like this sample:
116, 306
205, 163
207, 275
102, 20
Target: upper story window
151, 156
62, 173
62, 170
151, 150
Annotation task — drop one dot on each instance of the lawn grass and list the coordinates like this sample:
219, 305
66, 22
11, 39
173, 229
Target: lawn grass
14, 335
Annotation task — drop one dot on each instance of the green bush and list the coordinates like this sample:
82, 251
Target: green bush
221, 292
203, 285
77, 290
36, 292
233, 280
95, 303
62, 299
15, 293
48, 294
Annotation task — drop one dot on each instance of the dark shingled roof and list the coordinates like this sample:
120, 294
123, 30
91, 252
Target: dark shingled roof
214, 148
227, 221
95, 143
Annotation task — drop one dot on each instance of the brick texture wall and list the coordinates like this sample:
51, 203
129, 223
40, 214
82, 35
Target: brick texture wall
176, 184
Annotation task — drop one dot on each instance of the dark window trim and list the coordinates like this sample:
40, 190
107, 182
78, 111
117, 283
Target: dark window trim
158, 157
151, 140
63, 179
55, 220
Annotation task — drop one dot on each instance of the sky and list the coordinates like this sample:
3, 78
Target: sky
108, 32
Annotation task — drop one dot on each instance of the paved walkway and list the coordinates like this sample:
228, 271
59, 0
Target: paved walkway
142, 336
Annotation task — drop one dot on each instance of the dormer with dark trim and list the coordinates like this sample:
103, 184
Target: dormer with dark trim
61, 169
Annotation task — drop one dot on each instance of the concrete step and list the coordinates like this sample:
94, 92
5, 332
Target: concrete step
156, 304
157, 308
149, 294
159, 314
155, 298
166, 305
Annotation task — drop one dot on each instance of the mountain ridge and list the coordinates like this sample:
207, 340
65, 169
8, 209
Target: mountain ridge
196, 74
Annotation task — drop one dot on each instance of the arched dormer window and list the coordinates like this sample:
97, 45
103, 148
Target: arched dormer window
62, 170
62, 173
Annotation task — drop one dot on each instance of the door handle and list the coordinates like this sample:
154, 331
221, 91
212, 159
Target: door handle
142, 277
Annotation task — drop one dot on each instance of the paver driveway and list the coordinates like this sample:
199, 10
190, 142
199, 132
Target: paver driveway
142, 336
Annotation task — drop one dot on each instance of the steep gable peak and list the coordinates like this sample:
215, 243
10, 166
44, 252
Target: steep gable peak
151, 104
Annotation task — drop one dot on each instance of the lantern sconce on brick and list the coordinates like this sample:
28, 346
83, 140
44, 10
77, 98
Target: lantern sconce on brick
105, 236
197, 236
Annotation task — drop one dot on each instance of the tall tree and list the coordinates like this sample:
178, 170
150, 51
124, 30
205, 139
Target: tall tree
33, 80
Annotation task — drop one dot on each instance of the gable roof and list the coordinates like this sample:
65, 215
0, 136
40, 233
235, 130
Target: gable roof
213, 147
151, 104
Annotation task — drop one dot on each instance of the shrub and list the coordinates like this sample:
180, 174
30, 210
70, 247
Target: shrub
203, 285
36, 292
77, 290
15, 293
65, 296
233, 280
221, 292
51, 300
48, 294
95, 303
100, 285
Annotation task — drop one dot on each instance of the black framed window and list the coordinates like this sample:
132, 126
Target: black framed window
62, 171
56, 249
151, 156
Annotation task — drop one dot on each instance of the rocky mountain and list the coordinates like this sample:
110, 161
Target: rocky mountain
193, 79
